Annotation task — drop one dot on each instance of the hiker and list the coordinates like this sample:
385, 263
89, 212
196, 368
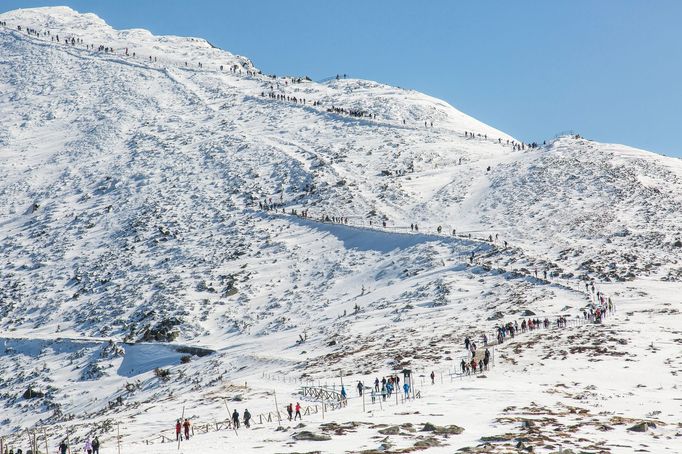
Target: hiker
467, 342
384, 391
247, 418
186, 425
433, 378
290, 411
298, 411
463, 365
63, 447
235, 419
376, 384
178, 430
87, 447
343, 392
360, 388
95, 446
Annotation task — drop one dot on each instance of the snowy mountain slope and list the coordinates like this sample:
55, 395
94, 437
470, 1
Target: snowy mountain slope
129, 211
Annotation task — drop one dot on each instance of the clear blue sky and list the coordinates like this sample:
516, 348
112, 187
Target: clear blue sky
609, 69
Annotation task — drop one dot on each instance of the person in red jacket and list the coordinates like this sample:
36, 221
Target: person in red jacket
298, 411
186, 425
178, 429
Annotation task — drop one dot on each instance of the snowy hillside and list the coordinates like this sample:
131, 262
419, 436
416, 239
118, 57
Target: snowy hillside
151, 199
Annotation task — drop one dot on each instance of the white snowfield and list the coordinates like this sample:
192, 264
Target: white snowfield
138, 238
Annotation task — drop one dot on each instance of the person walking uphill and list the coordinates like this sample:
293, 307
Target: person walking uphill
63, 447
290, 411
186, 425
178, 430
87, 447
235, 419
406, 388
298, 411
247, 418
95, 446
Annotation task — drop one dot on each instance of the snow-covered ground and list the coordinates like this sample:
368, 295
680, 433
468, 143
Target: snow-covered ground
133, 241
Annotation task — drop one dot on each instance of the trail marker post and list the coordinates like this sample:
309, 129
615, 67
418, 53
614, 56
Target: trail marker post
279, 418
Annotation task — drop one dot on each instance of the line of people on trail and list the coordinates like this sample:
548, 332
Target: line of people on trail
358, 113
269, 205
517, 146
474, 365
385, 387
183, 427
333, 219
283, 97
600, 308
511, 329
234, 68
89, 447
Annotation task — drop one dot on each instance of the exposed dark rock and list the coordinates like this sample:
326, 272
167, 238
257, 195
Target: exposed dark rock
310, 436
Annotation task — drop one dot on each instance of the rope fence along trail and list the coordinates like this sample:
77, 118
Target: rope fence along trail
273, 418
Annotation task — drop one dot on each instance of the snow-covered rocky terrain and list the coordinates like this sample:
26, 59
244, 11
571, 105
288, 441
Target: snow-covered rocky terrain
155, 259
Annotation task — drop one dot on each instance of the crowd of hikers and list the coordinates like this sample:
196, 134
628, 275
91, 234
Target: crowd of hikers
237, 69
89, 446
109, 49
383, 389
602, 306
269, 205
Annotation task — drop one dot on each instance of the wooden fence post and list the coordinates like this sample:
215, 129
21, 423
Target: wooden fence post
279, 419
